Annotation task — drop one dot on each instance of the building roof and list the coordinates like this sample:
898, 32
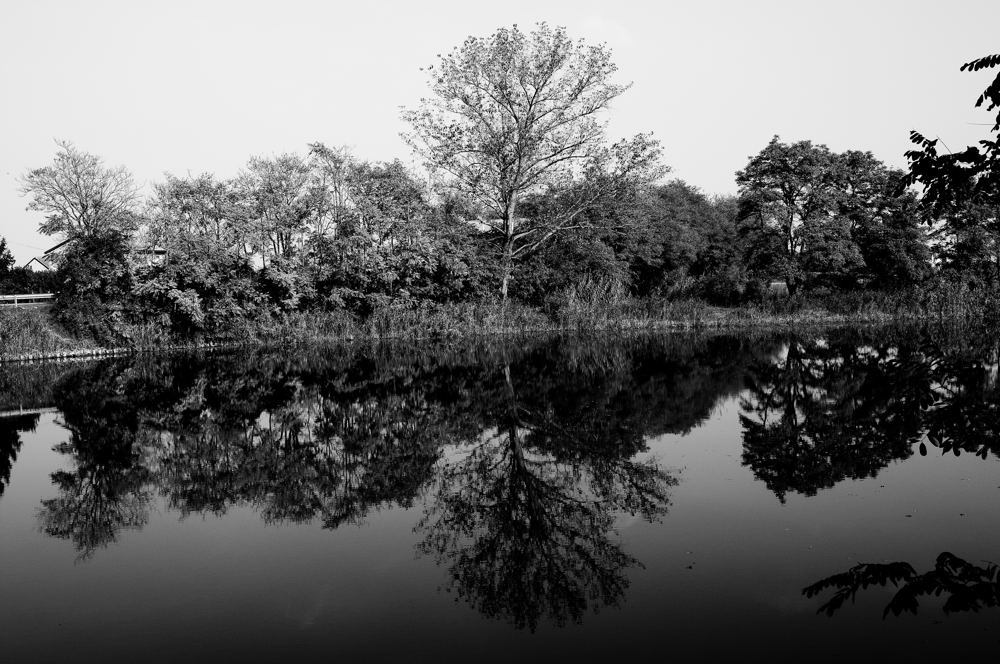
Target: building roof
40, 260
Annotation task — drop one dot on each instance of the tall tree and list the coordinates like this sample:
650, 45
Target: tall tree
80, 195
813, 216
514, 114
788, 193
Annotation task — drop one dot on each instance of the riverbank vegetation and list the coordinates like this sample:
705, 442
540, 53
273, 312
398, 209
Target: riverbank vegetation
523, 216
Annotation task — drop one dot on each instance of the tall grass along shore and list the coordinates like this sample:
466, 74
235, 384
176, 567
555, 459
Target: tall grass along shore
32, 333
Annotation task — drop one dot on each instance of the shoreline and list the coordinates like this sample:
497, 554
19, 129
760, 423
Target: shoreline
723, 320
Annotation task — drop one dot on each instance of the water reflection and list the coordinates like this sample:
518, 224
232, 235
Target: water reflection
520, 457
847, 405
523, 518
832, 409
11, 429
965, 586
107, 489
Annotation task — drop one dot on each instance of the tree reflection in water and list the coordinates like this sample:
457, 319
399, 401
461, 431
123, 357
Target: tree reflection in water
847, 405
108, 489
533, 477
521, 457
523, 518
965, 587
11, 429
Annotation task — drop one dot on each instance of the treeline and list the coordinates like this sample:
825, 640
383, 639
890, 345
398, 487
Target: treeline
523, 203
328, 232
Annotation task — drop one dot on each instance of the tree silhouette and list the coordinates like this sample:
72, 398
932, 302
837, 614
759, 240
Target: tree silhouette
846, 406
526, 530
106, 491
832, 409
965, 586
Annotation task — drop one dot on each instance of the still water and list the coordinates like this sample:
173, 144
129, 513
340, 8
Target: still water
773, 497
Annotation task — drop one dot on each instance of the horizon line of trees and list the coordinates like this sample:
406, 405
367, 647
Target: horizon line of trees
524, 198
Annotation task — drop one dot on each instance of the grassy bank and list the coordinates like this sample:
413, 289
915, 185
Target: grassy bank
31, 333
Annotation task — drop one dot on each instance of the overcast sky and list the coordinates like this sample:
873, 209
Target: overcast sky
200, 86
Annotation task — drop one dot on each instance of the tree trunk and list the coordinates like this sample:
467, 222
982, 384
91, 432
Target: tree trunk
507, 266
791, 282
507, 262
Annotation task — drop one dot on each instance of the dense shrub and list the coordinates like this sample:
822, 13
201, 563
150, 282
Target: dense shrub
94, 285
198, 292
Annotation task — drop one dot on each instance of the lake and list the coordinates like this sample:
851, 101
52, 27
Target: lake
765, 497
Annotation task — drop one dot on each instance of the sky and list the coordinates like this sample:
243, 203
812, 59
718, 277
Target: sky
191, 87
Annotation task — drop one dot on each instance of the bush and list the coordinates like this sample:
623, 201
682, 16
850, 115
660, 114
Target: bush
199, 291
94, 285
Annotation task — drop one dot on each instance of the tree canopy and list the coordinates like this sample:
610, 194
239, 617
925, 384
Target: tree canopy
80, 195
525, 193
516, 114
815, 217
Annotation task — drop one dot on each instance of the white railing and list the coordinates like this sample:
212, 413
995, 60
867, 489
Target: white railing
26, 298
28, 411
